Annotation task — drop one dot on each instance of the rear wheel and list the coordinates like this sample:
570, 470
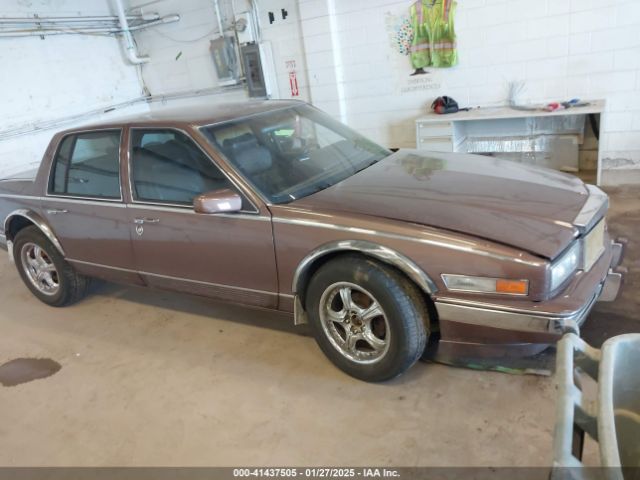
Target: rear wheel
367, 318
45, 272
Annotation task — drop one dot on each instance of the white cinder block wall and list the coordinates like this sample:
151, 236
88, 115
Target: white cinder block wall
343, 62
562, 48
181, 60
57, 77
285, 38
62, 76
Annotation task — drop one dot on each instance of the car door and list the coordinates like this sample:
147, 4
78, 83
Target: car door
85, 208
225, 256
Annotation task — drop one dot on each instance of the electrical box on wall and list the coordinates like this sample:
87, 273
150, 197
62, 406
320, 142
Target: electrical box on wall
259, 70
253, 70
225, 59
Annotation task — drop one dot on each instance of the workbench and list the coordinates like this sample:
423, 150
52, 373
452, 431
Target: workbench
505, 131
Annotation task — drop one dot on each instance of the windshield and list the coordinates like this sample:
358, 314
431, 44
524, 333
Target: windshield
291, 153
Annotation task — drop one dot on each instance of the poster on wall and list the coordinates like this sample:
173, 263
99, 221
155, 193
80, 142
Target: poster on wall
423, 41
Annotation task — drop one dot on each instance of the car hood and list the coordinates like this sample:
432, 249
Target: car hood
527, 207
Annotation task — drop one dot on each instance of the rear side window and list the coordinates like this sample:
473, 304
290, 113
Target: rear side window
88, 165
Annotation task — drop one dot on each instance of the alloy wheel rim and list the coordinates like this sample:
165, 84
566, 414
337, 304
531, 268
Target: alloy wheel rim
40, 269
355, 323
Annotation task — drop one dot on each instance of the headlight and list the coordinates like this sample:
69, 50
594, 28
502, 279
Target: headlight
565, 266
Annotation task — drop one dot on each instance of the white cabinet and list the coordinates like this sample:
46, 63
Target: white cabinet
549, 139
436, 144
434, 136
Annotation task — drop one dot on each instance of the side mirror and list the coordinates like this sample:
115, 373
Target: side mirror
218, 201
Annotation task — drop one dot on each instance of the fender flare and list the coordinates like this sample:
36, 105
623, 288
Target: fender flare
379, 252
38, 221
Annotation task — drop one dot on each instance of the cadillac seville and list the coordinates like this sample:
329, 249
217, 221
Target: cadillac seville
387, 256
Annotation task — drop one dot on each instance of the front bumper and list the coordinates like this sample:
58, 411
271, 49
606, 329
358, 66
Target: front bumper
469, 322
517, 321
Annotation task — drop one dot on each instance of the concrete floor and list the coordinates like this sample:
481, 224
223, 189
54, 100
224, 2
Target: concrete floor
152, 378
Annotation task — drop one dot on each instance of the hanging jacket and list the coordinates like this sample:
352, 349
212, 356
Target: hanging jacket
434, 38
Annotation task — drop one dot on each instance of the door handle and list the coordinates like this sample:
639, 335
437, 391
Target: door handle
56, 211
141, 221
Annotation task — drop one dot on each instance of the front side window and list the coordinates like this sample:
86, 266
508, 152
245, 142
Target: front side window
168, 167
88, 165
294, 152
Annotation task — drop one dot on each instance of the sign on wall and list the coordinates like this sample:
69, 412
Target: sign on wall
423, 40
293, 77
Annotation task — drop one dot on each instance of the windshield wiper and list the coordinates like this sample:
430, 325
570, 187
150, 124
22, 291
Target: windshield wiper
366, 166
301, 193
322, 186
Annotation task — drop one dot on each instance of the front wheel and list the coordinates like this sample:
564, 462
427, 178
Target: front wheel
367, 318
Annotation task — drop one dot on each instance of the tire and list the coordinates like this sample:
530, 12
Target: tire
45, 271
368, 343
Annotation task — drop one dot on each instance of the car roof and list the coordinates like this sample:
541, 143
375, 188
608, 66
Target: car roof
194, 115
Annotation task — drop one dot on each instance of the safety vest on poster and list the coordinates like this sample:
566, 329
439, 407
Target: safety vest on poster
434, 37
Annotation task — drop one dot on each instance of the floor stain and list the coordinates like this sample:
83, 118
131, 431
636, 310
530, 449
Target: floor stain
23, 370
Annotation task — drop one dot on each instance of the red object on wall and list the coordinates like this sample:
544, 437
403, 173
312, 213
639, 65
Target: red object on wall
293, 82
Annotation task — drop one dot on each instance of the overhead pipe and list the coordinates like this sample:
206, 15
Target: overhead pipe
37, 32
128, 43
216, 5
255, 13
94, 19
161, 21
45, 32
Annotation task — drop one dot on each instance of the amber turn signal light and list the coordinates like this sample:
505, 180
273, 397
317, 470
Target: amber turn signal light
518, 287
463, 283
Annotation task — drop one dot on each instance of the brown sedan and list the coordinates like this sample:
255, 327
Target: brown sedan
276, 205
